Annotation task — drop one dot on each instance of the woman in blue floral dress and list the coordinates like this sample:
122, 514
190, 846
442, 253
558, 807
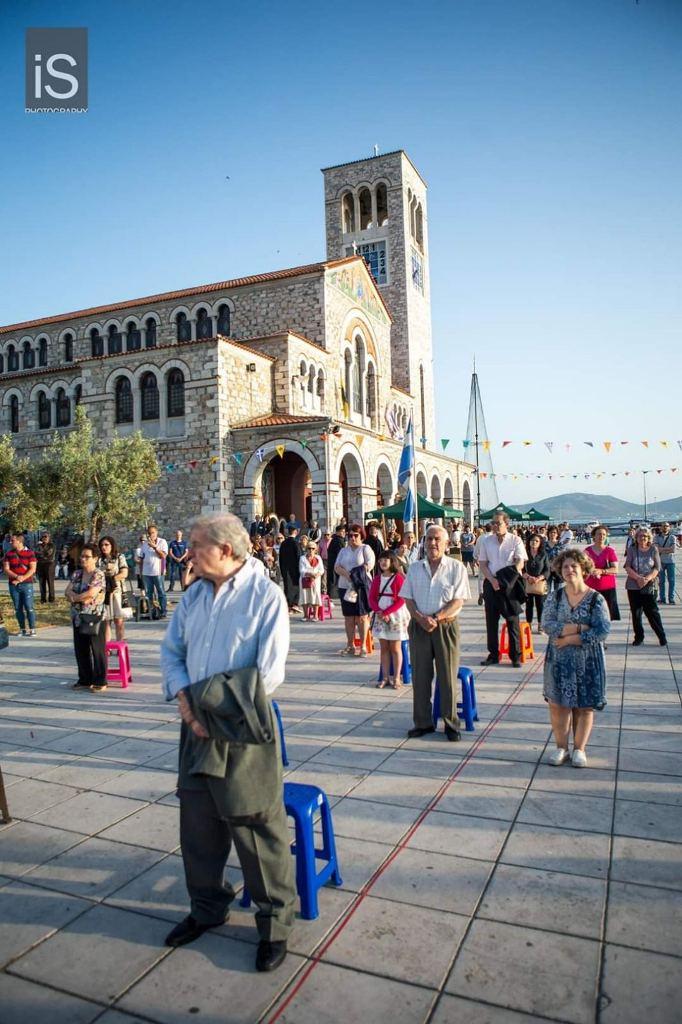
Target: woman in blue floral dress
577, 621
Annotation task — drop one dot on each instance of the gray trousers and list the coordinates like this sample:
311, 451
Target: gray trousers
441, 647
263, 850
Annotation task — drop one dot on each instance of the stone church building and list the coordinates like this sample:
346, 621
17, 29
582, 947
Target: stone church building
286, 391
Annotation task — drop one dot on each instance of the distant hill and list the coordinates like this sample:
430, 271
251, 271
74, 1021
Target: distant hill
580, 506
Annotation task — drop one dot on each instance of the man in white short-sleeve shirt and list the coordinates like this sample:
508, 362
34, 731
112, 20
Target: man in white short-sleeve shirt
434, 592
154, 551
500, 550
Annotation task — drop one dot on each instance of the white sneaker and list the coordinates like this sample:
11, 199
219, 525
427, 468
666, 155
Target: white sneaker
558, 757
579, 760
33, 633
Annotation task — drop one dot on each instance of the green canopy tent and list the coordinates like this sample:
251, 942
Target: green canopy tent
425, 510
513, 513
534, 515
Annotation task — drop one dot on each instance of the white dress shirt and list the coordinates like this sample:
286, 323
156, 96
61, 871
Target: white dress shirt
152, 564
500, 555
245, 624
429, 592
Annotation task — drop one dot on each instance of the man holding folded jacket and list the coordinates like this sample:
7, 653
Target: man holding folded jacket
224, 652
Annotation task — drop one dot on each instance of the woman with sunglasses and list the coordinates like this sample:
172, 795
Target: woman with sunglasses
354, 592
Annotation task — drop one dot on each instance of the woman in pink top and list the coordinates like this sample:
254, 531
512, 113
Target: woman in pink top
603, 579
390, 617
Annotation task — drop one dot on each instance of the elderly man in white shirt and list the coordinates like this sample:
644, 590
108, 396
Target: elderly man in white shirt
231, 618
498, 551
434, 591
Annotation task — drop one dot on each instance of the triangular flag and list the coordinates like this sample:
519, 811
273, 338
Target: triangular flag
664, 444
659, 470
674, 469
359, 439
445, 441
422, 441
567, 446
212, 461
679, 445
466, 444
645, 443
237, 456
486, 446
607, 445
526, 443
260, 454
323, 437
549, 445
304, 444
505, 443
192, 463
590, 444
625, 442
382, 437
279, 448
483, 475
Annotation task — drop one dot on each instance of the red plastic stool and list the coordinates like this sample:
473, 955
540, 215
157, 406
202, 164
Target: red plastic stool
326, 607
122, 673
369, 645
527, 650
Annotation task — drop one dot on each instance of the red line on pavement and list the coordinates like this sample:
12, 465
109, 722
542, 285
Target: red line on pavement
367, 887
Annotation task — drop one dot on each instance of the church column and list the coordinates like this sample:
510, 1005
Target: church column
137, 406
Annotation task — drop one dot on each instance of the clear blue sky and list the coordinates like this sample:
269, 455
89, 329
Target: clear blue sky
548, 132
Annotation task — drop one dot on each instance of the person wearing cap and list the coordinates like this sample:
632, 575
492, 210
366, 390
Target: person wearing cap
665, 542
46, 556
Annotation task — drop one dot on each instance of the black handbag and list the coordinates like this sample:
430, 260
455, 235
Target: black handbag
89, 623
4, 636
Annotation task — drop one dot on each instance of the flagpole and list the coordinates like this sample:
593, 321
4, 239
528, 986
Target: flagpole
474, 384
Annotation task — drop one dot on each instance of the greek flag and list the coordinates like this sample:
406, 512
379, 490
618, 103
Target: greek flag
406, 476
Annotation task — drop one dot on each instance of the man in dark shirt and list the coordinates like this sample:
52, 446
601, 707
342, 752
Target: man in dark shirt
178, 554
336, 544
375, 541
20, 568
47, 558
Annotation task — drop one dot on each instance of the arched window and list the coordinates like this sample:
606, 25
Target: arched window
150, 397
348, 212
63, 408
365, 199
78, 394
14, 414
320, 388
133, 337
348, 373
42, 352
371, 397
175, 394
204, 324
184, 327
422, 399
358, 367
114, 341
29, 357
150, 333
419, 226
12, 359
224, 320
382, 205
96, 343
124, 401
2, 363
311, 380
68, 348
44, 411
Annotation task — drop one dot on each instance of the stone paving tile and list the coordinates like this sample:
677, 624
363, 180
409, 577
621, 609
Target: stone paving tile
93, 869
137, 751
30, 796
493, 772
206, 978
155, 827
85, 772
29, 914
644, 786
647, 821
382, 937
417, 877
566, 810
471, 798
92, 810
634, 739
306, 935
517, 967
640, 987
159, 891
335, 781
351, 755
32, 764
403, 790
430, 764
358, 860
25, 845
25, 734
654, 761
364, 819
460, 835
363, 997
656, 911
555, 849
645, 860
81, 742
511, 750
595, 782
568, 904
455, 1010
24, 1002
98, 955
146, 784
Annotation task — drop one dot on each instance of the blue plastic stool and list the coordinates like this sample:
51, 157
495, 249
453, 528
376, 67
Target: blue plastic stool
302, 802
278, 716
468, 705
407, 665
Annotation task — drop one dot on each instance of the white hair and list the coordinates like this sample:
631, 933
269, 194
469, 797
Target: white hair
439, 529
224, 528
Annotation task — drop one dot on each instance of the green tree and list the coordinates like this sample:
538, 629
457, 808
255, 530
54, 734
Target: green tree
103, 483
30, 491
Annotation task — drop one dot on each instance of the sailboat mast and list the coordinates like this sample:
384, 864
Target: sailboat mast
474, 392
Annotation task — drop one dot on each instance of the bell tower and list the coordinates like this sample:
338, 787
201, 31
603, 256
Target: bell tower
377, 208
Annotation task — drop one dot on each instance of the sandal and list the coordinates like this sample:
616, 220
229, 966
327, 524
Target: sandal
346, 650
381, 684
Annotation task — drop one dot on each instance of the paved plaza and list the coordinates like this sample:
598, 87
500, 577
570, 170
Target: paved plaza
479, 885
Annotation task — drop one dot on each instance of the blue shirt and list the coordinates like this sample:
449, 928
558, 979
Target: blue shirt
177, 547
245, 624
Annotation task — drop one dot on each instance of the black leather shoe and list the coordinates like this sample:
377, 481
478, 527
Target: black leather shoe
189, 930
417, 732
637, 643
270, 955
480, 600
491, 661
454, 735
516, 664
